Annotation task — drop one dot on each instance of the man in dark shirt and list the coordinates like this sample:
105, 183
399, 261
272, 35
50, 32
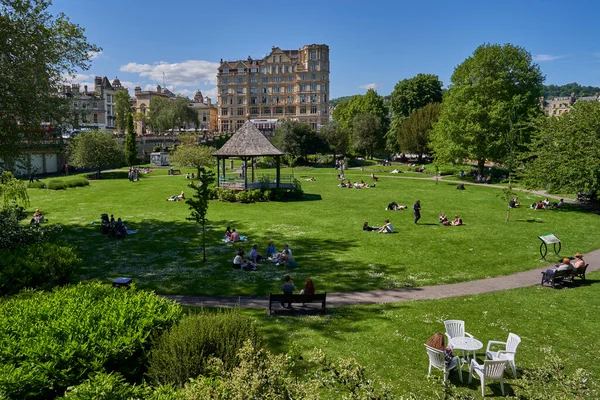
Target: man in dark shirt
417, 210
288, 288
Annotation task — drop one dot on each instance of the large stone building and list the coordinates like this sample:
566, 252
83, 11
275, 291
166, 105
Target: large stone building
141, 104
557, 106
207, 112
291, 84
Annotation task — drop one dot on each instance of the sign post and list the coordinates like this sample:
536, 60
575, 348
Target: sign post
547, 239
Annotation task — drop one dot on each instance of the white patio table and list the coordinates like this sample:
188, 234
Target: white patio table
466, 344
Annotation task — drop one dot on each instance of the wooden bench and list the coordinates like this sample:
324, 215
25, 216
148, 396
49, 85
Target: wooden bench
552, 277
298, 298
174, 172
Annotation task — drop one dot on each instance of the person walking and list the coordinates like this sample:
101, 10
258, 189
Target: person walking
417, 210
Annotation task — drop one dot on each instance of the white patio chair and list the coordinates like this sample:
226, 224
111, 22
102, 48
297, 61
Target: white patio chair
455, 328
491, 370
437, 360
510, 349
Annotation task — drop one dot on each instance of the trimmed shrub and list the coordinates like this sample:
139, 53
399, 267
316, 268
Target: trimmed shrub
226, 195
52, 340
244, 197
103, 386
56, 184
256, 195
183, 352
77, 182
36, 185
39, 266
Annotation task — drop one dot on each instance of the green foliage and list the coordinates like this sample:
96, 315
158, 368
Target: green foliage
12, 191
367, 134
297, 139
171, 114
56, 184
123, 107
550, 380
52, 340
335, 137
568, 89
225, 194
60, 184
130, 149
157, 148
191, 155
244, 197
107, 386
370, 103
38, 266
184, 351
413, 132
412, 94
96, 150
38, 50
198, 203
13, 234
36, 185
493, 93
566, 152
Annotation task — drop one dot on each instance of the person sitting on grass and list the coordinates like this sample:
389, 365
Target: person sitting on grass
287, 259
513, 203
387, 227
349, 184
457, 221
366, 227
546, 202
438, 342
443, 220
393, 206
271, 252
254, 256
539, 206
560, 203
288, 289
227, 234
235, 236
38, 218
374, 178
238, 260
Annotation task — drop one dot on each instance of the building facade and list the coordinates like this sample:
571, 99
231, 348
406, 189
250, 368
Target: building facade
141, 104
290, 84
207, 112
557, 106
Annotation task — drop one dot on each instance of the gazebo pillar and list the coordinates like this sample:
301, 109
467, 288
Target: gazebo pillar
252, 163
245, 170
278, 173
218, 172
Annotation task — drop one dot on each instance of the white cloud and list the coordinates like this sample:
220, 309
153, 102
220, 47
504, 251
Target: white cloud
94, 54
369, 86
546, 57
187, 73
212, 93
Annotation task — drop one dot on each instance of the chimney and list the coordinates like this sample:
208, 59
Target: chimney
158, 90
85, 89
137, 90
208, 101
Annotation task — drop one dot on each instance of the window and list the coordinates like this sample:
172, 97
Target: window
276, 99
224, 90
264, 100
253, 70
279, 69
203, 117
293, 68
254, 111
265, 79
313, 66
313, 76
277, 79
240, 100
253, 89
280, 58
290, 88
278, 110
290, 99
224, 111
291, 110
313, 87
277, 89
238, 124
302, 98
313, 55
225, 80
225, 70
266, 111
302, 110
313, 109
290, 78
263, 70
240, 111
287, 69
323, 88
324, 77
324, 99
313, 98
252, 79
240, 70
95, 118
265, 89
240, 79
303, 87
240, 89
253, 100
303, 77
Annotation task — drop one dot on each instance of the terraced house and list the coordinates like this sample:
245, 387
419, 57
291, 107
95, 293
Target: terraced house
292, 84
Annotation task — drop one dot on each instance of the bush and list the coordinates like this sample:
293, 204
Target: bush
157, 149
56, 184
40, 266
36, 185
103, 386
244, 197
256, 195
226, 194
183, 352
13, 234
77, 182
52, 340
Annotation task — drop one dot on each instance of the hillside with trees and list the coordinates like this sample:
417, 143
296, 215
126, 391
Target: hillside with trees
566, 90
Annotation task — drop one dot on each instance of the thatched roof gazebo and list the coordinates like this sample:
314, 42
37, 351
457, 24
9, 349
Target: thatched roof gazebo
247, 143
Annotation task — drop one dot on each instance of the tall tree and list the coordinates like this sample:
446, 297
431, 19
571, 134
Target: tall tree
297, 139
96, 149
367, 134
335, 137
565, 153
493, 92
158, 114
409, 95
37, 49
413, 131
130, 144
13, 192
191, 155
371, 103
198, 203
123, 107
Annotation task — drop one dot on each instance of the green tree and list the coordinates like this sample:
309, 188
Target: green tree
335, 137
565, 154
367, 133
297, 139
493, 92
123, 107
412, 94
96, 149
130, 144
370, 103
192, 155
12, 191
180, 113
413, 131
198, 203
37, 49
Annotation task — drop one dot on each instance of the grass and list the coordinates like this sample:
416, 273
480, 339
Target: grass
323, 230
388, 339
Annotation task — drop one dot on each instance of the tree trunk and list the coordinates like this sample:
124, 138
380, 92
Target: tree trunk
480, 166
203, 243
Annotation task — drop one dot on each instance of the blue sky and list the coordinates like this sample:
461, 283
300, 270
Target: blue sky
372, 44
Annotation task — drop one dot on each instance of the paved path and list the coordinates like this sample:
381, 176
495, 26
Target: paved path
518, 280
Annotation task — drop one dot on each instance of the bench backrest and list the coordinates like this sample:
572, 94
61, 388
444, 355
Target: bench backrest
300, 298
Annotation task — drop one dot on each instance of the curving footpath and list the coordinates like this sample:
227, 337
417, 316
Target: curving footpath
515, 281
518, 280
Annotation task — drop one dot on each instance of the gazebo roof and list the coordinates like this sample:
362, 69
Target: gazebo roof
248, 141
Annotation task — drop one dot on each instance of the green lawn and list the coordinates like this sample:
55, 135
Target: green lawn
323, 230
388, 339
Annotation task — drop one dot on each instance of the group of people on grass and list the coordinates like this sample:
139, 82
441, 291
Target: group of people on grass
355, 185
252, 262
457, 221
288, 288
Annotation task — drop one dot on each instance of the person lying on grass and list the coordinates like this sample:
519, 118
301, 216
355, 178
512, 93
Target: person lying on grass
366, 227
393, 206
177, 197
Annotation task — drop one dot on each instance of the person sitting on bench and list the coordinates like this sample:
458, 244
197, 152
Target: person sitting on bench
288, 289
578, 263
565, 265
